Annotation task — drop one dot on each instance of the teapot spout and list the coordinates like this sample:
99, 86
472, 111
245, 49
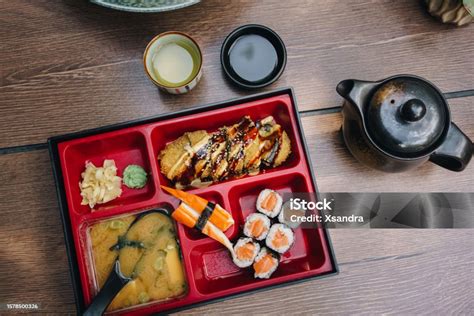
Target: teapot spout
345, 87
355, 91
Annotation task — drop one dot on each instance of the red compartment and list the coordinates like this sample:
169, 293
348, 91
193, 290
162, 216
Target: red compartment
208, 266
125, 148
213, 269
87, 268
212, 265
214, 272
243, 197
169, 130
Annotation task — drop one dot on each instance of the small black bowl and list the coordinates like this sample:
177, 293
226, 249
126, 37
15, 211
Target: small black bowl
266, 33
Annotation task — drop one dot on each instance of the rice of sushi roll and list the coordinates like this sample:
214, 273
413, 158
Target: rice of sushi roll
269, 203
257, 226
245, 251
280, 238
265, 263
285, 215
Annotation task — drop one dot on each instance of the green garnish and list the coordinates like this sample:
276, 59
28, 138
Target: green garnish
134, 177
127, 303
143, 297
123, 242
116, 224
160, 260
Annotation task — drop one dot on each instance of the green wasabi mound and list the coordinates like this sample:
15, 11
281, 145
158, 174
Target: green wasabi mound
134, 177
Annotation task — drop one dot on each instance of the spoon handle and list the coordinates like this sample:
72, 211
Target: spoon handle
115, 282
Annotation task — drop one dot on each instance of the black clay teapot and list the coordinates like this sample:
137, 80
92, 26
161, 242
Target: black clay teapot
400, 122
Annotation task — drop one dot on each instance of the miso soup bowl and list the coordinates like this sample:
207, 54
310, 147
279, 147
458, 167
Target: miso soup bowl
167, 38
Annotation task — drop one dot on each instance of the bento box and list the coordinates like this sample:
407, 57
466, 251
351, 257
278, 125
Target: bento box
209, 272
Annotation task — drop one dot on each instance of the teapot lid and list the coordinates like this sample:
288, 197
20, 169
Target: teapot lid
406, 116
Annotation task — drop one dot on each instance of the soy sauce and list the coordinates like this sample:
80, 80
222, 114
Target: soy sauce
253, 58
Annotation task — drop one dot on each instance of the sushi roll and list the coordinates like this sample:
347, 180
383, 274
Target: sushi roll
285, 215
265, 263
269, 203
280, 238
257, 226
245, 251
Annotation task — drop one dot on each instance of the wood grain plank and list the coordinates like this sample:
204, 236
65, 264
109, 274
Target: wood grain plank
382, 271
33, 257
410, 272
338, 171
73, 65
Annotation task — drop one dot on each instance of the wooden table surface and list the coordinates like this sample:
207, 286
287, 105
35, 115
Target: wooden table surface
70, 65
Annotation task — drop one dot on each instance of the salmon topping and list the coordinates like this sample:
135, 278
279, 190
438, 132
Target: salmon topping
269, 202
246, 251
257, 228
264, 265
280, 239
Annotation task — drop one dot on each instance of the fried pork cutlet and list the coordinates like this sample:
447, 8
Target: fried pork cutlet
232, 151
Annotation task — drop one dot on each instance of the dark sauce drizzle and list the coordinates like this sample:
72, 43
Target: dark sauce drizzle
242, 135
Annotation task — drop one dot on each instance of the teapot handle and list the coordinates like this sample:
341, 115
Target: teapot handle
455, 152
